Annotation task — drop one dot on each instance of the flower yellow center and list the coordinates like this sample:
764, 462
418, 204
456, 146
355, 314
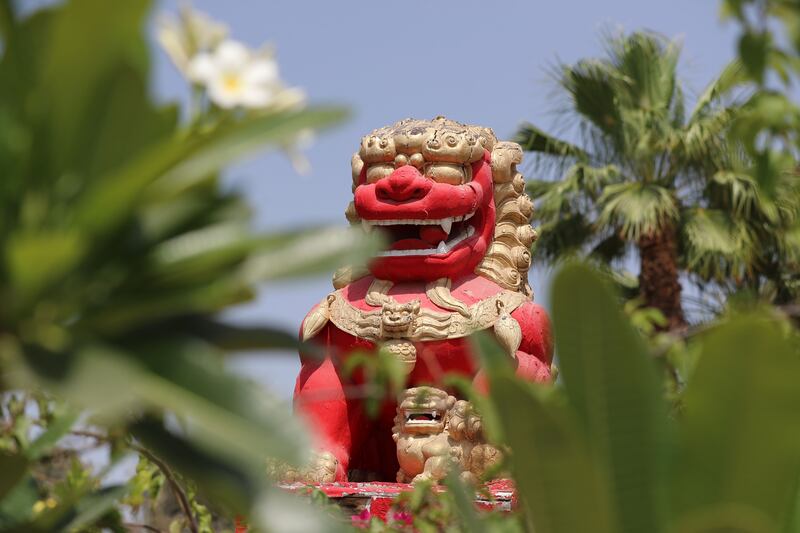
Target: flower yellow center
232, 82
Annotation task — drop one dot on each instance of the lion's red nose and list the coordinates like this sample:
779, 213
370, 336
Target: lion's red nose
405, 183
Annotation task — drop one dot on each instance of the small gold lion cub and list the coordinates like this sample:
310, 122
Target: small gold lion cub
435, 432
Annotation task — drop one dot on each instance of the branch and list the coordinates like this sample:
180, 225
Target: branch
183, 500
180, 495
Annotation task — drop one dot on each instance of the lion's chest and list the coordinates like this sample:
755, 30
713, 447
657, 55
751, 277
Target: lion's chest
414, 450
434, 359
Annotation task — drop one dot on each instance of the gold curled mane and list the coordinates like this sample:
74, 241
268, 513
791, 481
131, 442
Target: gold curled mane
508, 257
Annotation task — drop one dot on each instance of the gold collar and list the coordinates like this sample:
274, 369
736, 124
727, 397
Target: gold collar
413, 322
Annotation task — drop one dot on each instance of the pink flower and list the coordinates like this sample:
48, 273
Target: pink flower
402, 516
361, 520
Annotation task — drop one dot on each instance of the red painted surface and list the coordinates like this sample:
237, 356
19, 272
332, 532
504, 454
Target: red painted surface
333, 402
407, 194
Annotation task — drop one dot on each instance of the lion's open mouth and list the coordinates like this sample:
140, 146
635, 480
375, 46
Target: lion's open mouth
423, 418
423, 236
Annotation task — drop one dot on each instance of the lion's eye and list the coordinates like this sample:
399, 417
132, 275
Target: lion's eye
379, 171
450, 173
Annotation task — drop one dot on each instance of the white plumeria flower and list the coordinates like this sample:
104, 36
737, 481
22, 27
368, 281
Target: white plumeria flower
234, 76
187, 35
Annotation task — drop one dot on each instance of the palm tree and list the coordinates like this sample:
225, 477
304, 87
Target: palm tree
651, 177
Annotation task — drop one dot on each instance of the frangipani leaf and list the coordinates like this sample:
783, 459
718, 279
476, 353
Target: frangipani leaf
560, 487
613, 386
739, 437
176, 163
222, 413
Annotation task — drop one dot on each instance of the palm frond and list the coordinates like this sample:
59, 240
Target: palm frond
740, 190
562, 238
647, 63
637, 208
716, 245
593, 85
789, 246
609, 249
575, 192
731, 76
703, 139
534, 139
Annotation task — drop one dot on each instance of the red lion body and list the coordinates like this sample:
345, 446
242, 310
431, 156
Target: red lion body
403, 202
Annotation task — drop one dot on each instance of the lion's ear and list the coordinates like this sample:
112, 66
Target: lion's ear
451, 401
505, 158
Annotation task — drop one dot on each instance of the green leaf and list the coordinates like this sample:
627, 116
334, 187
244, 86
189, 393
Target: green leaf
37, 259
638, 208
560, 487
731, 76
613, 386
93, 506
227, 484
179, 162
591, 85
228, 415
240, 491
726, 519
534, 139
739, 437
231, 337
16, 508
753, 49
464, 503
56, 430
7, 18
310, 251
80, 60
14, 468
716, 243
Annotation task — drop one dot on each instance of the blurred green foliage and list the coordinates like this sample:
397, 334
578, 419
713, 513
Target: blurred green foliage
602, 452
119, 248
682, 187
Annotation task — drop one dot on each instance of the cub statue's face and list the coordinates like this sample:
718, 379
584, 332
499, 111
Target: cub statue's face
428, 187
423, 411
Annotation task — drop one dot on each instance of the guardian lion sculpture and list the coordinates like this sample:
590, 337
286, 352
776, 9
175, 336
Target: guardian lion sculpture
452, 206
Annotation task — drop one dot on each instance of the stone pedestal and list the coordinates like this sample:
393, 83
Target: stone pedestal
374, 499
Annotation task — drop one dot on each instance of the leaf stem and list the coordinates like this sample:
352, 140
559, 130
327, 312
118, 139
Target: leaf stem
180, 494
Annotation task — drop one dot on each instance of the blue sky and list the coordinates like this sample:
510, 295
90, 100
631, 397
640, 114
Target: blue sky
478, 62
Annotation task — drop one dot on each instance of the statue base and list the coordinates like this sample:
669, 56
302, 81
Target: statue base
375, 499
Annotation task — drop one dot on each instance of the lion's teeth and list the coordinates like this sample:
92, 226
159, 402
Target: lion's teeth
447, 225
442, 248
366, 225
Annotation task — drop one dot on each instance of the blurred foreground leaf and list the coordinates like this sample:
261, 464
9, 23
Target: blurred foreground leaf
613, 387
740, 440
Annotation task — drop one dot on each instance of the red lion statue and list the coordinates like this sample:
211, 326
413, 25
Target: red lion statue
456, 216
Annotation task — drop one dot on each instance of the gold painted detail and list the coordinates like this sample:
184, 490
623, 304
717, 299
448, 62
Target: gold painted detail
412, 322
439, 293
507, 330
404, 351
317, 318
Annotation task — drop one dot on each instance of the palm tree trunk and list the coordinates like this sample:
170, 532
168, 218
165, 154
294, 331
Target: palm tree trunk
658, 277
